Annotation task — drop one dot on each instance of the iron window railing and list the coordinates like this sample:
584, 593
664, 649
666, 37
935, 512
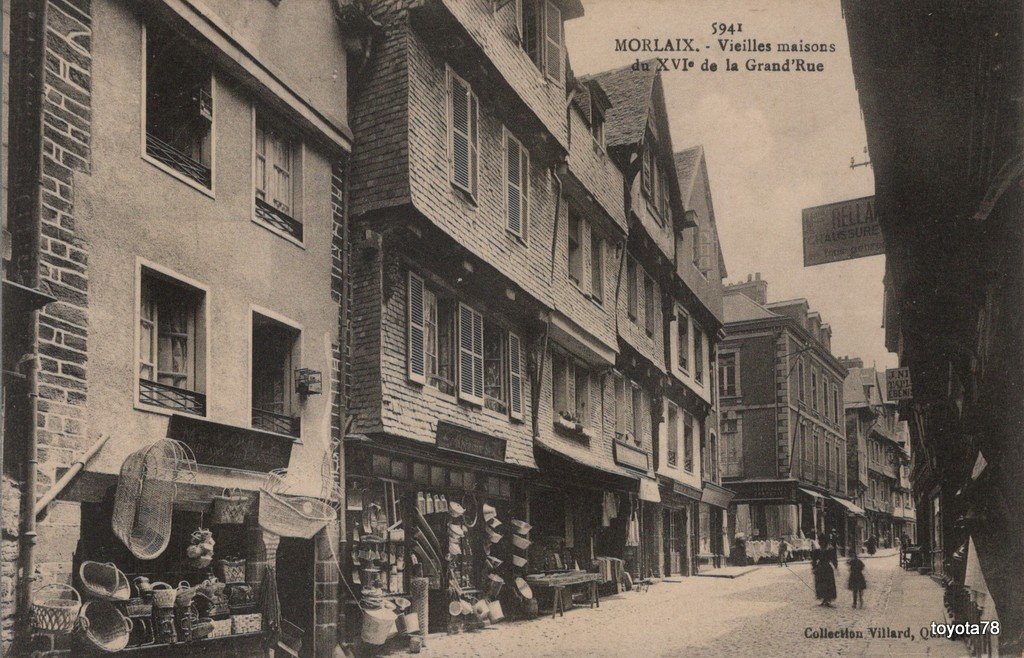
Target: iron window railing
171, 397
274, 422
279, 220
175, 159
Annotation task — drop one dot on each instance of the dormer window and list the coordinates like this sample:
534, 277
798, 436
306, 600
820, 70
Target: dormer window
540, 24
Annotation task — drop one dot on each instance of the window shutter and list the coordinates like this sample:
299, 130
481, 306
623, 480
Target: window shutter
462, 125
595, 402
416, 359
553, 41
647, 170
471, 355
515, 373
474, 140
514, 183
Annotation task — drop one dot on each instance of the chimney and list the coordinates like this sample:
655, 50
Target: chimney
851, 362
754, 287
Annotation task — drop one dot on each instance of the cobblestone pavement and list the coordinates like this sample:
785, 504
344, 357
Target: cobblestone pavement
768, 612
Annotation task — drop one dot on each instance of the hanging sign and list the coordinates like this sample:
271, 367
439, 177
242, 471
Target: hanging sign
897, 384
841, 231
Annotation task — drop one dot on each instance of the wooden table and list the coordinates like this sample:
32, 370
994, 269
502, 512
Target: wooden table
559, 582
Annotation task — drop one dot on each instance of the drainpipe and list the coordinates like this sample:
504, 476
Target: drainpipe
33, 32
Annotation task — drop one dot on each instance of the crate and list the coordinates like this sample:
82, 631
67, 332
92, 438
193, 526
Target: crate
250, 623
221, 628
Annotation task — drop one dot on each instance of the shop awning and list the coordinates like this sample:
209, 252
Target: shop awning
811, 493
649, 490
850, 506
716, 496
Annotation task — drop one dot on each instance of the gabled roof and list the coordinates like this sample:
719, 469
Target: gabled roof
738, 307
629, 92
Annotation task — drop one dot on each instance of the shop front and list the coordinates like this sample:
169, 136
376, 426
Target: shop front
431, 528
679, 521
847, 518
712, 532
765, 511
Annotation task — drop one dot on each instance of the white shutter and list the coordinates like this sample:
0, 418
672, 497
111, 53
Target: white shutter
416, 360
471, 355
553, 55
515, 185
474, 140
462, 125
515, 374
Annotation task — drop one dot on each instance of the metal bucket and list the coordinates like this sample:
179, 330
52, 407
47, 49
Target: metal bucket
496, 613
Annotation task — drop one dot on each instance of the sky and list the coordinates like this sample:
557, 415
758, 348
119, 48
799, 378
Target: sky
775, 142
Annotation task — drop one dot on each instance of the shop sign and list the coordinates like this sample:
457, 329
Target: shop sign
469, 442
715, 496
228, 446
777, 490
631, 456
897, 384
841, 231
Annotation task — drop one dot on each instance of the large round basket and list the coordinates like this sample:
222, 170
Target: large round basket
102, 626
294, 516
55, 608
104, 581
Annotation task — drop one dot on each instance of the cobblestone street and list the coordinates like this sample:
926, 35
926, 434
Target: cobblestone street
767, 612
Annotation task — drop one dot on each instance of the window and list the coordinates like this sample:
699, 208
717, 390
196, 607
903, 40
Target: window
621, 409
638, 415
836, 411
561, 396
682, 340
712, 459
672, 436
517, 185
728, 374
430, 337
576, 392
814, 388
596, 267
631, 288
274, 359
698, 354
463, 134
655, 182
585, 409
179, 106
703, 245
171, 344
471, 355
276, 177
800, 380
575, 248
649, 311
596, 121
496, 379
688, 431
733, 447
542, 38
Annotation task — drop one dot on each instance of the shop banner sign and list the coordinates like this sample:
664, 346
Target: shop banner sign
841, 231
469, 442
897, 383
627, 455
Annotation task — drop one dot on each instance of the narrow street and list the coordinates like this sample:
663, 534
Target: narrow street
766, 612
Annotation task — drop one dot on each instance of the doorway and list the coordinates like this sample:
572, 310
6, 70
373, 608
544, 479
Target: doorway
295, 591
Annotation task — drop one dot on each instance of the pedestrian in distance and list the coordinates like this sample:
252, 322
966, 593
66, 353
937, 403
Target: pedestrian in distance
783, 551
824, 562
872, 544
857, 583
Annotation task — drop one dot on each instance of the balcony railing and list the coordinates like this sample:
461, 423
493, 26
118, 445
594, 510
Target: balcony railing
171, 397
821, 475
275, 422
175, 159
278, 219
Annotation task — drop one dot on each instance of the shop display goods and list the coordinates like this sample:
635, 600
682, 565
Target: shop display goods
230, 508
146, 489
55, 608
291, 516
104, 581
103, 627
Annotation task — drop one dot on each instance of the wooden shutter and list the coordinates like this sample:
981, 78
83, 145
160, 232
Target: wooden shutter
553, 54
595, 402
471, 355
516, 180
647, 170
515, 376
462, 125
416, 358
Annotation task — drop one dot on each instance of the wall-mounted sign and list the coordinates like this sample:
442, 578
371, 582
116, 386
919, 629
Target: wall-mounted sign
631, 456
841, 231
469, 442
218, 444
897, 384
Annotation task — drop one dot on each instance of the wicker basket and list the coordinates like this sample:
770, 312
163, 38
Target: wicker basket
291, 516
163, 595
104, 581
242, 624
102, 626
221, 628
231, 570
230, 508
138, 607
55, 608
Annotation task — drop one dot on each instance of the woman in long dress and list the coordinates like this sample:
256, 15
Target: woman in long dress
824, 562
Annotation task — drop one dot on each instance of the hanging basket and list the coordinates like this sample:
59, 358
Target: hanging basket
55, 608
102, 626
104, 581
146, 489
230, 508
292, 516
